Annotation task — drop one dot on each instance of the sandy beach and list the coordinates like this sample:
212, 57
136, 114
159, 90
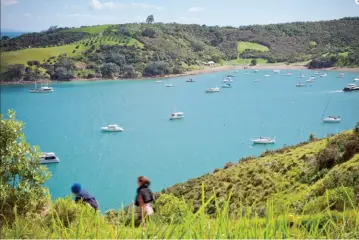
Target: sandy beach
200, 71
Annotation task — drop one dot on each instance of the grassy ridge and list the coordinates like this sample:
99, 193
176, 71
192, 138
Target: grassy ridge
90, 29
242, 46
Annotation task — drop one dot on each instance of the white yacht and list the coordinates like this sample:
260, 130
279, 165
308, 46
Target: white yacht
288, 74
257, 80
43, 89
340, 75
351, 88
317, 73
311, 79
170, 85
267, 75
226, 85
177, 115
263, 140
49, 157
323, 75
276, 71
256, 71
158, 81
112, 128
332, 119
212, 90
356, 79
228, 79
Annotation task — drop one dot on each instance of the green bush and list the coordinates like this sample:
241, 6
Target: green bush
170, 209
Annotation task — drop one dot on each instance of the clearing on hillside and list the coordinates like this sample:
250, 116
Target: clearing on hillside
242, 46
91, 30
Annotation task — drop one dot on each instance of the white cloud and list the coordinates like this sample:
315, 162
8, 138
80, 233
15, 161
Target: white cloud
196, 9
144, 5
9, 2
27, 15
98, 5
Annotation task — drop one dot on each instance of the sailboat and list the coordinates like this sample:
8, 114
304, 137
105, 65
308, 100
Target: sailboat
301, 75
42, 89
263, 140
330, 119
300, 84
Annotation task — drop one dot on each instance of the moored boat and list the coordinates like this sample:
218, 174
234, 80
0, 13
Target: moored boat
356, 79
340, 75
212, 90
112, 128
263, 140
177, 115
227, 85
170, 85
332, 119
190, 80
311, 79
158, 81
323, 75
49, 157
276, 71
288, 74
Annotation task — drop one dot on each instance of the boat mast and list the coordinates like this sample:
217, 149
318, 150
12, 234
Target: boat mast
326, 107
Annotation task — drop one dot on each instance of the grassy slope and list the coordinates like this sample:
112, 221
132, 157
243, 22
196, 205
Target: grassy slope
242, 46
276, 175
90, 29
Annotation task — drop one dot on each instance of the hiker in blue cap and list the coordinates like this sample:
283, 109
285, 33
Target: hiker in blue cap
83, 196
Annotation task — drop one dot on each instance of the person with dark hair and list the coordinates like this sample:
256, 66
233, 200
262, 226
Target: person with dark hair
83, 196
144, 198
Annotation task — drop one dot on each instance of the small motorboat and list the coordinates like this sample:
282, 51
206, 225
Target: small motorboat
340, 75
247, 73
177, 115
351, 88
190, 80
301, 84
323, 75
256, 71
257, 80
311, 79
159, 81
356, 79
170, 85
317, 73
227, 85
212, 90
288, 74
332, 119
276, 71
263, 140
49, 157
112, 128
228, 79
267, 75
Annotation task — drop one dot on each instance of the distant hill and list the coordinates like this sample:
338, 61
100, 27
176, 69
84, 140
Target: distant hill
134, 50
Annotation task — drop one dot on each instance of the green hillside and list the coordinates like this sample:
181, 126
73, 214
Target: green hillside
306, 191
139, 49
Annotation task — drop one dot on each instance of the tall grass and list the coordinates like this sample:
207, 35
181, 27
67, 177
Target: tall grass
68, 220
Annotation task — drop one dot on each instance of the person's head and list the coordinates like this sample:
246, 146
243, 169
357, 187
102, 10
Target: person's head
142, 180
76, 188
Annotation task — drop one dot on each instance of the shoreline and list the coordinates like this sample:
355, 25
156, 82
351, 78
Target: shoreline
194, 72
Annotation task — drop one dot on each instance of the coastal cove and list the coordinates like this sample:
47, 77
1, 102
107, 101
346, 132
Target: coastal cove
217, 127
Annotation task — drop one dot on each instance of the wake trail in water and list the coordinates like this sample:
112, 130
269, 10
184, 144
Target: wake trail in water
336, 91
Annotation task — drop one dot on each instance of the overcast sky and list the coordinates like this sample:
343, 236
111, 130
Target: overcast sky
36, 15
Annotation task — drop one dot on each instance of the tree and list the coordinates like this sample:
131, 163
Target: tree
254, 62
22, 175
16, 71
110, 70
150, 19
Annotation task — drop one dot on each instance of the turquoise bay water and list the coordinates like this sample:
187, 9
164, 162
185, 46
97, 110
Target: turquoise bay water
217, 127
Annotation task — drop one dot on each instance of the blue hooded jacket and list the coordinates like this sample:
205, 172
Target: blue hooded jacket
87, 198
